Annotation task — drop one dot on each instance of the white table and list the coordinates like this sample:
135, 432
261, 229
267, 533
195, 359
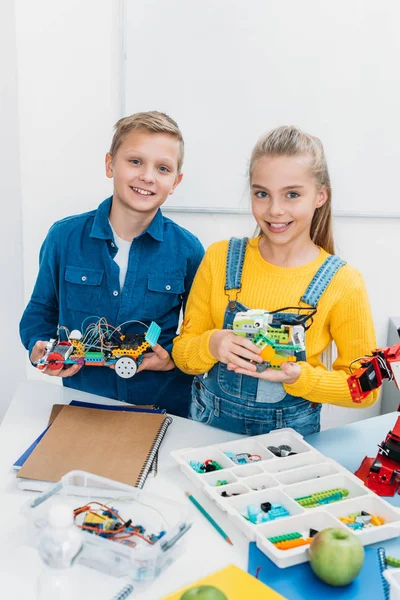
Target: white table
205, 549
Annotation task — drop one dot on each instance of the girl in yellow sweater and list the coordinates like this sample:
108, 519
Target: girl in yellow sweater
289, 266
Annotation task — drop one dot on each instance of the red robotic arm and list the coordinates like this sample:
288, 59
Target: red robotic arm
383, 364
380, 474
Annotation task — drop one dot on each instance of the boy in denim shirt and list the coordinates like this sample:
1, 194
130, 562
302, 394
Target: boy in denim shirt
124, 261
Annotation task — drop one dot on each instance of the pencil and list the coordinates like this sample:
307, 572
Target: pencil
209, 518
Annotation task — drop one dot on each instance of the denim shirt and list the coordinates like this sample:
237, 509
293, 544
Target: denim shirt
79, 278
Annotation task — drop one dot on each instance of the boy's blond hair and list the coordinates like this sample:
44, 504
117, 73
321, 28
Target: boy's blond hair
292, 141
151, 121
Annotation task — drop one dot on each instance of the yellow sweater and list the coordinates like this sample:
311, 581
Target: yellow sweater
343, 315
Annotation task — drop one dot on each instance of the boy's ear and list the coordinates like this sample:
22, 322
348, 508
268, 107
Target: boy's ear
322, 197
109, 165
177, 182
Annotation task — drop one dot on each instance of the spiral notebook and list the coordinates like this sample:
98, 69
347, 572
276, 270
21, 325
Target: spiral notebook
119, 445
56, 409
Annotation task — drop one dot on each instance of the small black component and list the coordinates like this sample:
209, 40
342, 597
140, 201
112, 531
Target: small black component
274, 450
364, 513
132, 341
210, 468
225, 494
376, 466
313, 532
266, 506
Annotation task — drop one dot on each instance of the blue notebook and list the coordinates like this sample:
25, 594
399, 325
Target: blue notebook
299, 582
20, 461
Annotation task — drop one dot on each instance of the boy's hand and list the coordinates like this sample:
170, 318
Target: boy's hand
158, 360
233, 349
39, 350
288, 373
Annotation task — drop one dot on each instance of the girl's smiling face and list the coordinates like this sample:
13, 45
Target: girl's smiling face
284, 196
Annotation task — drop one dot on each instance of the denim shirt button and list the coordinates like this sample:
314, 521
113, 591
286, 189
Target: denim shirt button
168, 287
112, 244
115, 293
84, 278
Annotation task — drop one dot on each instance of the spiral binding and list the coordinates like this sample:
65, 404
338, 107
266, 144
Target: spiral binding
124, 593
382, 567
151, 458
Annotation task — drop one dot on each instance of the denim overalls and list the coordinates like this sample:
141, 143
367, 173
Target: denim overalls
244, 404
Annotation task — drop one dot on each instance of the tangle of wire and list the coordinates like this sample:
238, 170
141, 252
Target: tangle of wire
380, 360
302, 319
99, 334
114, 534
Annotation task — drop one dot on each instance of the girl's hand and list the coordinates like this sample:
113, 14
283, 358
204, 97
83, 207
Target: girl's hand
232, 349
157, 360
288, 373
39, 350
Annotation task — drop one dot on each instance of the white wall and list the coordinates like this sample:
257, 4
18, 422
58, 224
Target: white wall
69, 99
11, 301
68, 103
371, 245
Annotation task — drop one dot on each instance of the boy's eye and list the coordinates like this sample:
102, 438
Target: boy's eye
135, 161
261, 194
293, 195
164, 169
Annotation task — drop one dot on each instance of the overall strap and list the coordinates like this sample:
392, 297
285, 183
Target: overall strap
322, 279
234, 267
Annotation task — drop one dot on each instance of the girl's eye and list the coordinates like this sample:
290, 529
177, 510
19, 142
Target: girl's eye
261, 194
293, 195
164, 169
135, 161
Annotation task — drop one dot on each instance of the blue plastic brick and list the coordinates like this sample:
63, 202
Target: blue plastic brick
153, 333
230, 455
197, 466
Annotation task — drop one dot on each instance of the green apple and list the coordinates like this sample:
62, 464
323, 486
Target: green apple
203, 592
336, 556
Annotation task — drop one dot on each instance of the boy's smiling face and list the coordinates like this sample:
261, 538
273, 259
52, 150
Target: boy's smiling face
145, 171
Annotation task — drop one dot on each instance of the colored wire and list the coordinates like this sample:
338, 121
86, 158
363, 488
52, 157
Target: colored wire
255, 457
360, 358
132, 499
115, 533
132, 321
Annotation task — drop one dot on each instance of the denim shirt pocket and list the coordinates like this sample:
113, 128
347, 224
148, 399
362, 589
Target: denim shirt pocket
83, 288
163, 293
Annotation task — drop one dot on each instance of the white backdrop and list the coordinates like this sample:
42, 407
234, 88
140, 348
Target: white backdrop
68, 100
229, 70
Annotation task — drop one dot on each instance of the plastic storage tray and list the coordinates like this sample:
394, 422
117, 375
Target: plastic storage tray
143, 562
280, 480
392, 576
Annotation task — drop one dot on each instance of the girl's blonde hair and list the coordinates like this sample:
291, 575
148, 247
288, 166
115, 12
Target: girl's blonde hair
291, 141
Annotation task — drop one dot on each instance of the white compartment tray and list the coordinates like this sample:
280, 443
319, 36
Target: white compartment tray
284, 480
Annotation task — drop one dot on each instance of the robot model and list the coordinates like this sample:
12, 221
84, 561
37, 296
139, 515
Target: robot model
100, 345
281, 336
380, 474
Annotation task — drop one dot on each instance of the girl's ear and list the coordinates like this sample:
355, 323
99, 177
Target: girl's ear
322, 197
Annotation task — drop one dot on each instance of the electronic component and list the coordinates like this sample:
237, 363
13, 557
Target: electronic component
280, 336
100, 345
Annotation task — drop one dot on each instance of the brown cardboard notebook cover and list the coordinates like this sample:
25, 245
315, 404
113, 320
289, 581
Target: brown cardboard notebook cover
55, 411
117, 445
